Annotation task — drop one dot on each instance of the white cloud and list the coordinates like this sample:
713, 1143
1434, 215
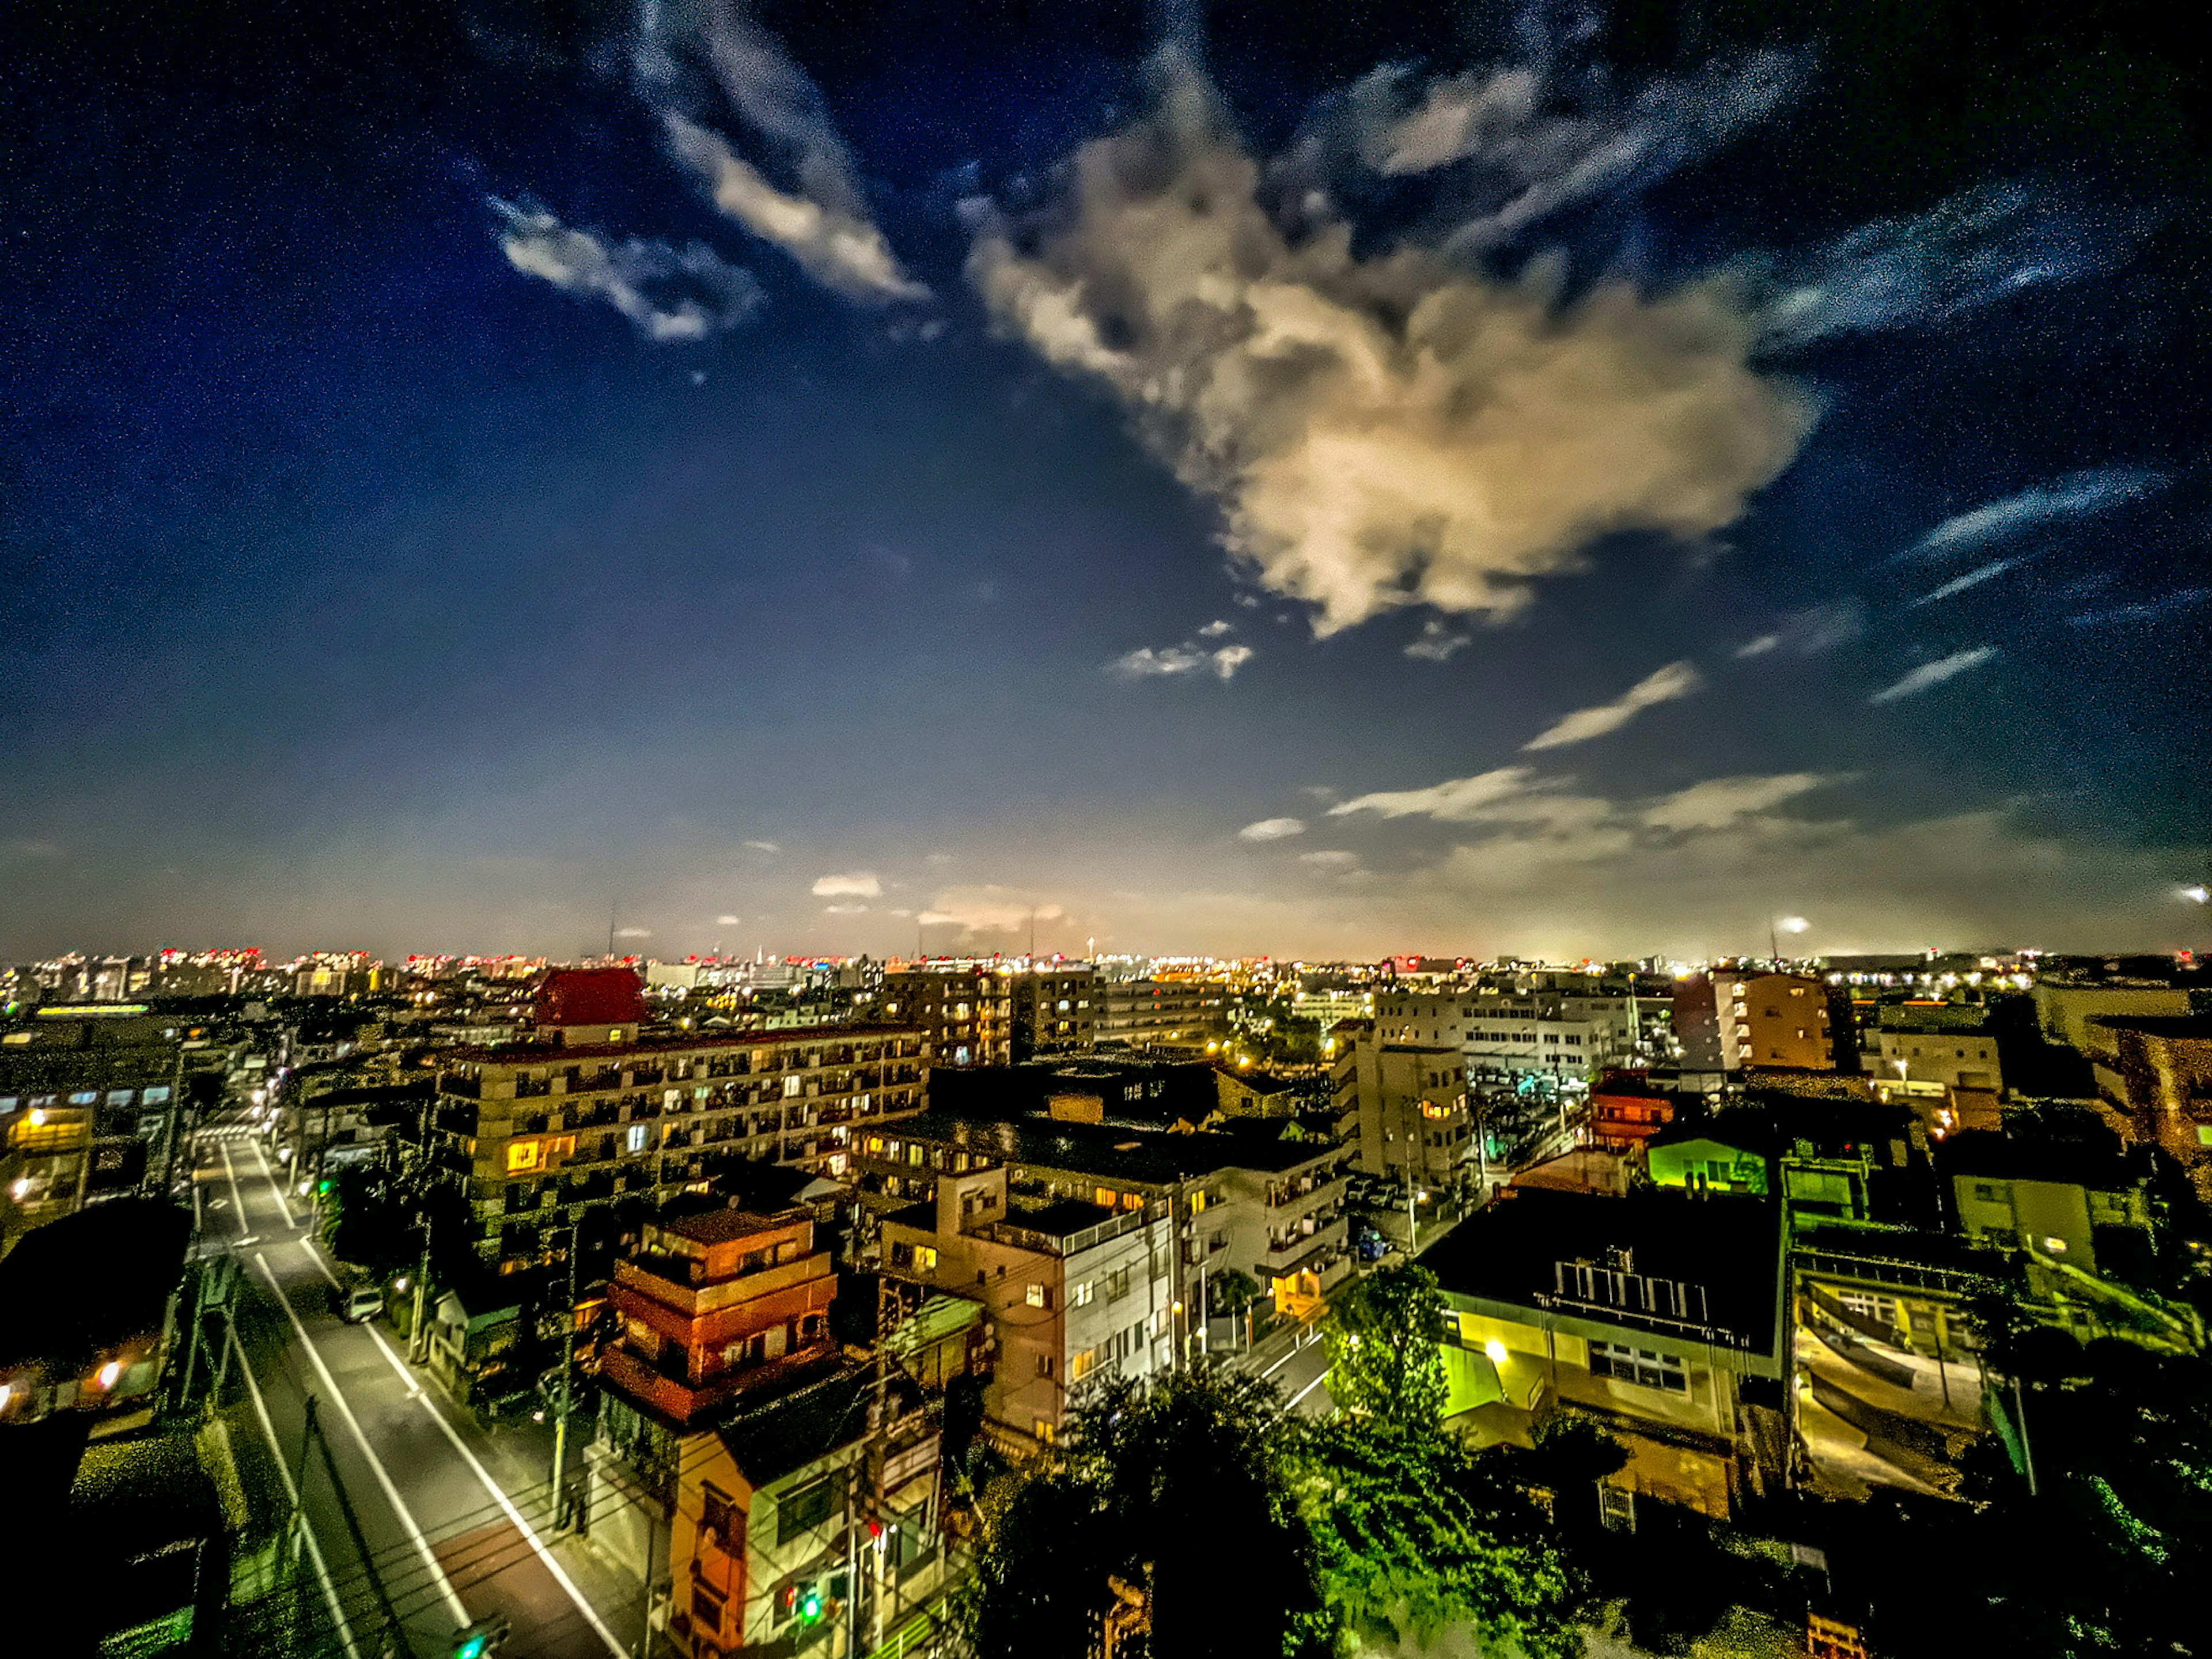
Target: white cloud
1436, 642
858, 884
2078, 495
1173, 661
1676, 679
1974, 577
1718, 802
987, 910
1458, 800
839, 249
765, 846
671, 294
1934, 673
1273, 829
844, 909
1808, 633
1382, 428
633, 932
1331, 858
725, 922
1214, 630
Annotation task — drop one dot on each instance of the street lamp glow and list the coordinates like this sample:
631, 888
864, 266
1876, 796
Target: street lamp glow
1793, 924
2197, 895
1494, 1351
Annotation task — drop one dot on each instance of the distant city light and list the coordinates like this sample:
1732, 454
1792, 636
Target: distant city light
1795, 924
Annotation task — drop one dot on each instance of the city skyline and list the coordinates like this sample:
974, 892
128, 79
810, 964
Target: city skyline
1269, 483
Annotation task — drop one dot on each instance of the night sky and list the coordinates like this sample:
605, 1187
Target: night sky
1318, 478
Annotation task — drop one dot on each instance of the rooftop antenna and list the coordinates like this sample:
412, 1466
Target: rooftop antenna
1033, 934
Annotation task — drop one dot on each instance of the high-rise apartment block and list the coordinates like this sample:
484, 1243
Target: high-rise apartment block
965, 1011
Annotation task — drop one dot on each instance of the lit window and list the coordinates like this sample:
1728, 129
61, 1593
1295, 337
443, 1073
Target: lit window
1038, 1296
521, 1157
925, 1257
1080, 1296
636, 1138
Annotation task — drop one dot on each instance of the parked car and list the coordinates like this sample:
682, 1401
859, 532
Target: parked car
363, 1302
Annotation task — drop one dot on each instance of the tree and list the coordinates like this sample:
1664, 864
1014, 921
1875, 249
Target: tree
1415, 1535
1229, 1293
1385, 1350
1178, 1492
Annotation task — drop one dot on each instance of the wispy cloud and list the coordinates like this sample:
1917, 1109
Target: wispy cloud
2078, 495
1809, 632
671, 294
765, 846
843, 252
1436, 642
1331, 858
1273, 829
844, 909
1456, 800
857, 884
1934, 673
1675, 680
1718, 802
2147, 611
1214, 630
822, 220
1985, 245
1532, 149
727, 921
1973, 578
633, 932
1383, 428
1171, 661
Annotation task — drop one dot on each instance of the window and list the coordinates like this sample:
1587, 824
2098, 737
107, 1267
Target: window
1640, 1366
1080, 1296
719, 1517
1038, 1296
791, 1088
522, 1157
635, 1140
706, 1607
925, 1257
1046, 1365
1117, 1284
1083, 1365
803, 1509
1043, 1428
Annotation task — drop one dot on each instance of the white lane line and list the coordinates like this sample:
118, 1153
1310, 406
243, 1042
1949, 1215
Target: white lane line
237, 1198
560, 1577
1308, 1388
453, 1604
306, 1528
273, 1187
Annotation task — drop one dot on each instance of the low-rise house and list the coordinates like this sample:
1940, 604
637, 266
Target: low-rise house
1661, 1314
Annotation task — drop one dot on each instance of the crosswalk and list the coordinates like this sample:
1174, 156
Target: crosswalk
227, 1131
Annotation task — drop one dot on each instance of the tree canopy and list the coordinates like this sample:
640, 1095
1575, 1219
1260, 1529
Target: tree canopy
1385, 1353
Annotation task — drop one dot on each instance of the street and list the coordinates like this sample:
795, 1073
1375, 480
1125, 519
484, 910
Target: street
431, 1523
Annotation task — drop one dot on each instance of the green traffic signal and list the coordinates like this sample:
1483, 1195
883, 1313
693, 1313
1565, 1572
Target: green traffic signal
322, 1190
809, 1605
474, 1645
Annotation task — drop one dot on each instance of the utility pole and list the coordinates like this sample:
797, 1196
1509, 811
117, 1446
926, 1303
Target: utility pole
560, 1505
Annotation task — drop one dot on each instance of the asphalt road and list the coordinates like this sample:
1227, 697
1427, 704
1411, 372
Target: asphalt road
1302, 1376
430, 1522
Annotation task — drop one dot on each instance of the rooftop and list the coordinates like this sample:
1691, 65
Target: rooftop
1156, 1157
684, 1042
1989, 1153
722, 1225
1730, 1246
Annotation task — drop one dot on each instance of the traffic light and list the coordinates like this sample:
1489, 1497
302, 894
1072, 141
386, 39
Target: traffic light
481, 1639
804, 1602
323, 1186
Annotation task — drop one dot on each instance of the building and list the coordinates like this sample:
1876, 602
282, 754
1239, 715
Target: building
1563, 1035
1821, 1158
2071, 1011
714, 1303
1145, 1014
1626, 1108
1075, 1290
2058, 1199
2156, 1075
1658, 1315
966, 1013
1948, 1071
1773, 1019
1055, 1010
1416, 1126
546, 1129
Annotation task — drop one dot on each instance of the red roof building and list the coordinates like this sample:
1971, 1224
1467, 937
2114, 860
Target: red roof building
607, 1003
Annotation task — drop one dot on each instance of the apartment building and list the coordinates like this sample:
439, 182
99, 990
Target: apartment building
1416, 1124
546, 1129
1055, 1010
1511, 1034
1146, 1013
716, 1302
966, 1011
1772, 1019
1075, 1290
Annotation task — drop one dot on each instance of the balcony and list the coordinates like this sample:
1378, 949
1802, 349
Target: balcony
528, 1087
461, 1084
1311, 1193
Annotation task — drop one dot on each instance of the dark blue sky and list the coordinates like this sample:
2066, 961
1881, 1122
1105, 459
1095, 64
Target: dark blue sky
870, 472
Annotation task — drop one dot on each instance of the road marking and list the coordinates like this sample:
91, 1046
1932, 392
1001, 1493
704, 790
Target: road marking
1308, 1388
237, 1200
273, 1187
307, 1528
454, 1603
499, 1493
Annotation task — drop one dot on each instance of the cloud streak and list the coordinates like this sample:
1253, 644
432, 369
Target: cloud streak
858, 884
1272, 829
1384, 429
1929, 674
2078, 495
822, 220
671, 294
1974, 577
1676, 680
